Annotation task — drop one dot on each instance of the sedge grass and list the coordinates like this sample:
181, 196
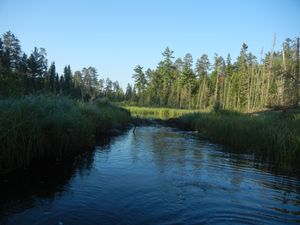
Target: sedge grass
157, 113
272, 137
45, 127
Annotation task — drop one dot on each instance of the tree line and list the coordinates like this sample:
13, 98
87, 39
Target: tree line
246, 84
22, 74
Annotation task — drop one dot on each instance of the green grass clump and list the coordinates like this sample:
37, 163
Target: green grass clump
44, 127
157, 113
275, 137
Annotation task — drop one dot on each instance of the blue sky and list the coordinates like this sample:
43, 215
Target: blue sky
114, 36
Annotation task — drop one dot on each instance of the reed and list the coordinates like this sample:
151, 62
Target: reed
48, 127
157, 113
274, 137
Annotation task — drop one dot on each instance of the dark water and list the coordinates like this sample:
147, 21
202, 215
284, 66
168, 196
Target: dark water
158, 176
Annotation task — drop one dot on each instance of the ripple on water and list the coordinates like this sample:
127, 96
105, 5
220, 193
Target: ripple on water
157, 176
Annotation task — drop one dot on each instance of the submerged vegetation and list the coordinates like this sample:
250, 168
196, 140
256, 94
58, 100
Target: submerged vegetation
272, 136
44, 127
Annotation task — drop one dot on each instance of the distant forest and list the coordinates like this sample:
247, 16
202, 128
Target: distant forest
21, 74
247, 84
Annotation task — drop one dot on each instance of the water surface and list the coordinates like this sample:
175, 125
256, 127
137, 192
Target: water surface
157, 176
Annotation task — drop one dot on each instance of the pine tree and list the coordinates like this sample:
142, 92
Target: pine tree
140, 81
51, 77
37, 66
57, 84
108, 88
202, 69
128, 93
23, 72
68, 83
90, 83
12, 48
78, 85
166, 70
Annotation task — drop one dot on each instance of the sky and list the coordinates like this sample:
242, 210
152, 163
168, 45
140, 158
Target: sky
115, 36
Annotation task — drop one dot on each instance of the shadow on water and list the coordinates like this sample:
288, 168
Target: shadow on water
20, 190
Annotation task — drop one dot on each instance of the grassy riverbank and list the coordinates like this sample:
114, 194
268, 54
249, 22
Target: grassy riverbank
274, 136
42, 127
157, 113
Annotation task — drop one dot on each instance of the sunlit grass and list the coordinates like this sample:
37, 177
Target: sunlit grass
41, 127
157, 113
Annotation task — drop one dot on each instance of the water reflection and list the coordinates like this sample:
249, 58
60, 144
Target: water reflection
157, 176
43, 182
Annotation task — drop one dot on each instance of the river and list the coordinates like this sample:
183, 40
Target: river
158, 175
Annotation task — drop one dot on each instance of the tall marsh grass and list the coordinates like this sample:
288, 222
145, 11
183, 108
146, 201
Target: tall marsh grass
43, 127
274, 137
157, 113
